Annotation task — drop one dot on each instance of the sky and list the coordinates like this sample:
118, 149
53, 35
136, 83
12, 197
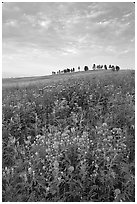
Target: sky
41, 37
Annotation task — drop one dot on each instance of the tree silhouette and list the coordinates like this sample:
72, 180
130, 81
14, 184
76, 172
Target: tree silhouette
105, 67
94, 66
117, 68
86, 68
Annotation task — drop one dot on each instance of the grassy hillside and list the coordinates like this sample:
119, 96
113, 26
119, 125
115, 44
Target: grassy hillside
69, 137
25, 81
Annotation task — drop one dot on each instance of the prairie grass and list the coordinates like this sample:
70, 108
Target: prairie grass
69, 138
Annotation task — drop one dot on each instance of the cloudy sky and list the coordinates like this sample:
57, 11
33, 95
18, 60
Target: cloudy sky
39, 38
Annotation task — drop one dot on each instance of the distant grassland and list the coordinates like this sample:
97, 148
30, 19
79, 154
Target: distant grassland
40, 80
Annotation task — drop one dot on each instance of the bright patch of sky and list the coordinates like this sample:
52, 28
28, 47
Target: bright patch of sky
39, 38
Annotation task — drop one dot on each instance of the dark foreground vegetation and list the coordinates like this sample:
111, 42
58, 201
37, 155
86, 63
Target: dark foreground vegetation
74, 141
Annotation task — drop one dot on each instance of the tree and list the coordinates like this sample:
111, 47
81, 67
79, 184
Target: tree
105, 67
110, 66
113, 68
117, 68
78, 68
94, 66
68, 70
86, 68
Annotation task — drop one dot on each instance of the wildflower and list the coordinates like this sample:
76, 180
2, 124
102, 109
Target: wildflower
27, 142
71, 168
56, 164
67, 132
29, 137
91, 96
42, 138
47, 189
113, 174
12, 171
59, 178
108, 159
64, 134
38, 136
115, 129
29, 170
23, 175
12, 140
73, 130
100, 131
117, 192
110, 137
25, 178
104, 125
49, 135
96, 166
55, 145
36, 153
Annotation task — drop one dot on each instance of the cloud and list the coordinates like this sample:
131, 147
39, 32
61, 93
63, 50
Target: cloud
111, 49
69, 50
103, 23
28, 19
132, 40
82, 39
74, 30
127, 15
95, 14
37, 20
12, 23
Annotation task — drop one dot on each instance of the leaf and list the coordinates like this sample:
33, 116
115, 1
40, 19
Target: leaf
41, 181
125, 168
53, 192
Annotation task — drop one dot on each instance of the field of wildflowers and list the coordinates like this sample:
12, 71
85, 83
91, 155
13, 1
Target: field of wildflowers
72, 142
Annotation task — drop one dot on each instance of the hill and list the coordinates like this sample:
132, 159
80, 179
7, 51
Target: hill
24, 81
69, 138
